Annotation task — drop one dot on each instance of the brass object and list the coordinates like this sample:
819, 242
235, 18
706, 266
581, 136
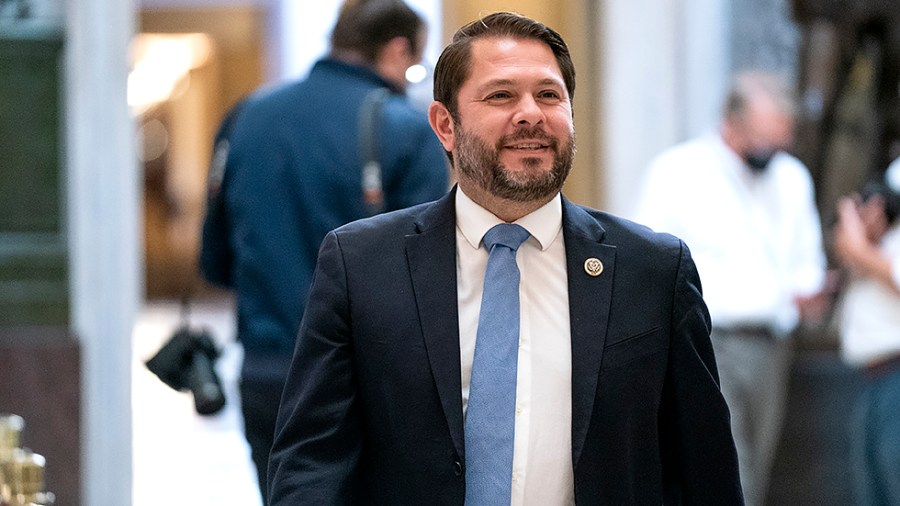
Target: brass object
21, 470
11, 427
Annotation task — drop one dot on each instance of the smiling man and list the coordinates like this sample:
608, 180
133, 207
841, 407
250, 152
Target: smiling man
503, 345
519, 151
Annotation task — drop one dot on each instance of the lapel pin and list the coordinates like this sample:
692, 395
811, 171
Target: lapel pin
593, 266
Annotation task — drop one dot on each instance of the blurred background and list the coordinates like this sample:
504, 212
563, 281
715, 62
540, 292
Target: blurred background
108, 110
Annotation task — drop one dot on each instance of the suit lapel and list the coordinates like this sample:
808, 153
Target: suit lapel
589, 303
431, 253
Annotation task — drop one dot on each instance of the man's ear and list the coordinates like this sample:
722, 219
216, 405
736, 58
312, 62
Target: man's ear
393, 59
442, 123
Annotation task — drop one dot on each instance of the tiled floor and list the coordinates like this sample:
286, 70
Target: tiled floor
180, 457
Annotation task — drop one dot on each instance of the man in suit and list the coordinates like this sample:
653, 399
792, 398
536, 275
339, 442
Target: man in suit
615, 395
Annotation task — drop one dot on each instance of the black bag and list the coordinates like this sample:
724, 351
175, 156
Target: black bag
186, 362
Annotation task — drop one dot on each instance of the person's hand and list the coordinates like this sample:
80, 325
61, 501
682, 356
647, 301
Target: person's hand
850, 239
816, 307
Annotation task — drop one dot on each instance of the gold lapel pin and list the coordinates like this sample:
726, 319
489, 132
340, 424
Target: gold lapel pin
593, 266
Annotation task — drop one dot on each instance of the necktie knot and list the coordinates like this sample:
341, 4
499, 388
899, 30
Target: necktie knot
506, 234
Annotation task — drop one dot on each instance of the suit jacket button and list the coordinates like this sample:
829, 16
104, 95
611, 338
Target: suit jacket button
457, 468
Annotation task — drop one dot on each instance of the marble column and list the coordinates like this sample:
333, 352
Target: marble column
104, 236
663, 71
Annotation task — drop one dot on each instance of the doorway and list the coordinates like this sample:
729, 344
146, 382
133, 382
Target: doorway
193, 65
190, 66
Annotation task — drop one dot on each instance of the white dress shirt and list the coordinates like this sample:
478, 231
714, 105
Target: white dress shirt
542, 455
756, 240
870, 313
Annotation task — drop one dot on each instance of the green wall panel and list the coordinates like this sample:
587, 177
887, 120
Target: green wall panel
33, 257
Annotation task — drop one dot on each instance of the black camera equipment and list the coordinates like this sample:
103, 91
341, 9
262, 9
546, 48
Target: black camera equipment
186, 362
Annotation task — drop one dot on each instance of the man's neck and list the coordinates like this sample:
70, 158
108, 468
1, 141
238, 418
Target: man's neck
351, 57
356, 58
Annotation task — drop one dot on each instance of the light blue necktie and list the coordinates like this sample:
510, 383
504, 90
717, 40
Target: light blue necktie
491, 411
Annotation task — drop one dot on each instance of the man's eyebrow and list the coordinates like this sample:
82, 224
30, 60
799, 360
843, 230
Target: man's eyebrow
502, 82
551, 82
496, 83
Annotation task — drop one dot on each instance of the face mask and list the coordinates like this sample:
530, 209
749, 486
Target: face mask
758, 160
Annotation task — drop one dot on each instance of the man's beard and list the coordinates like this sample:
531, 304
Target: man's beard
476, 160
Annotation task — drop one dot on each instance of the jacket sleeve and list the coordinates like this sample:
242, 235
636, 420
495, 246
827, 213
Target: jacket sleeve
698, 453
318, 441
216, 254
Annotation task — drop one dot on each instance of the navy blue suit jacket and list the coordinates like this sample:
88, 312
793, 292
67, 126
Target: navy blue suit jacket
372, 410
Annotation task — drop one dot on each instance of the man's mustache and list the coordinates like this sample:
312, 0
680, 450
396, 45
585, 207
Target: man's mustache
529, 133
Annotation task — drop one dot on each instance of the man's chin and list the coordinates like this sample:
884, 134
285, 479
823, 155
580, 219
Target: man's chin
531, 162
525, 169
526, 185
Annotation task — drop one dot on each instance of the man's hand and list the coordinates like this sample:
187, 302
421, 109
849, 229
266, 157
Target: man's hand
850, 241
816, 307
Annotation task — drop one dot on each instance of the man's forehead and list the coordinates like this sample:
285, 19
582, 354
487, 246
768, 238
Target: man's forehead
499, 46
766, 116
506, 54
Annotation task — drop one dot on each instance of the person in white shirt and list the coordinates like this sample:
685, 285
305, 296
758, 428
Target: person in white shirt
746, 209
867, 243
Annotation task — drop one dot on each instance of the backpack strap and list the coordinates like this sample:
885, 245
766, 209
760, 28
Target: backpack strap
369, 118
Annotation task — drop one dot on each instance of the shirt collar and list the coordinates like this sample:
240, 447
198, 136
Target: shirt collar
544, 224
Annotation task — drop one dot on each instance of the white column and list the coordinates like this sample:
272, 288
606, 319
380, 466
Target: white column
305, 29
638, 79
104, 237
705, 76
662, 71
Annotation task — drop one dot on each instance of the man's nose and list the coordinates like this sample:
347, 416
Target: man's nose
528, 112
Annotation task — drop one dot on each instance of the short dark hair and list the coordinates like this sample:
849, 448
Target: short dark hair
365, 26
455, 62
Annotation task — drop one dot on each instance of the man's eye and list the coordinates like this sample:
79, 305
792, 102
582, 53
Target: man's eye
498, 95
549, 95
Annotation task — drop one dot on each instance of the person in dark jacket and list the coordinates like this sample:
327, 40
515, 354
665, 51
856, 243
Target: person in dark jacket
288, 167
502, 345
